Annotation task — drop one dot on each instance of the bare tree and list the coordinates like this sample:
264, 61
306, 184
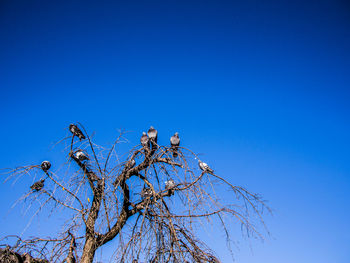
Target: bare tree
152, 202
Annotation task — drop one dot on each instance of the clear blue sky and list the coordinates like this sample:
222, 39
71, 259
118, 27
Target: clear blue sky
260, 87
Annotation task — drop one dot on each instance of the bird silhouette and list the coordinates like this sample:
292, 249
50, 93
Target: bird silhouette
45, 166
76, 131
153, 136
205, 167
175, 143
37, 186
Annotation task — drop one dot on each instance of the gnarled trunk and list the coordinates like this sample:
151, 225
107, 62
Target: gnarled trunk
89, 251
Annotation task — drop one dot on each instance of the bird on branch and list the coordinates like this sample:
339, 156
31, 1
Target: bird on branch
81, 156
175, 143
146, 192
205, 167
169, 185
153, 136
76, 131
45, 166
37, 186
130, 164
145, 141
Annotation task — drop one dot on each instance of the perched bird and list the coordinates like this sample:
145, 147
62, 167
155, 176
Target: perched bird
130, 164
153, 136
45, 166
81, 156
169, 185
37, 186
146, 192
145, 140
76, 131
205, 167
175, 143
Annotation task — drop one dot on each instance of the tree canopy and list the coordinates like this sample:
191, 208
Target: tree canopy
153, 201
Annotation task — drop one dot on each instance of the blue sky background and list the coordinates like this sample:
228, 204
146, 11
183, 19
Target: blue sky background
261, 88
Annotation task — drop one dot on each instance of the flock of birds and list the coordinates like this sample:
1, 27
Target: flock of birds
148, 141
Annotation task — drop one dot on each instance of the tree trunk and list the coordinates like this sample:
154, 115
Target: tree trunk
89, 251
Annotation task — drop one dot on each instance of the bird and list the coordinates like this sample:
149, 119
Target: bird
76, 131
146, 192
205, 167
130, 164
153, 136
37, 186
169, 185
45, 166
175, 143
145, 140
81, 156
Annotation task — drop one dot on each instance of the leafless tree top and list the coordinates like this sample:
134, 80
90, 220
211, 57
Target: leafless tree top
153, 202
